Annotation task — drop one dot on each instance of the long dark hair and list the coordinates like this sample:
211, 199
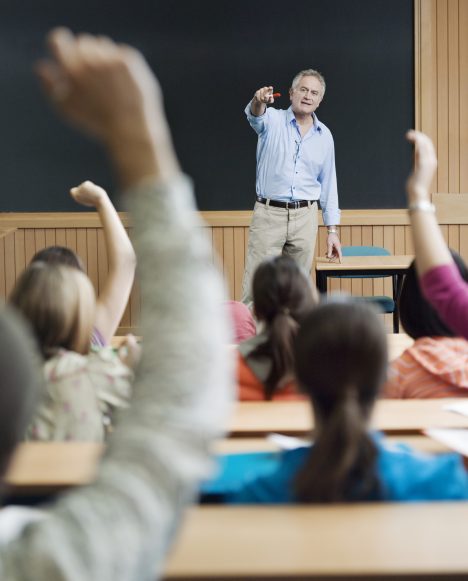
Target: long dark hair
282, 294
418, 317
341, 360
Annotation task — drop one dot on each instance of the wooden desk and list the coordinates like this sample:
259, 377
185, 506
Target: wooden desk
361, 266
40, 468
394, 266
46, 467
254, 419
364, 541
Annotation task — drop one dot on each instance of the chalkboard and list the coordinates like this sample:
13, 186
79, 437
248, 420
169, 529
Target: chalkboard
210, 57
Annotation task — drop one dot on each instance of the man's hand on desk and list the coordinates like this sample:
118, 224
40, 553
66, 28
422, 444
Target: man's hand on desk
333, 247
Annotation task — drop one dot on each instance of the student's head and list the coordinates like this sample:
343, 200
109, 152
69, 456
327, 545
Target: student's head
281, 289
58, 255
418, 318
20, 380
341, 360
59, 303
282, 294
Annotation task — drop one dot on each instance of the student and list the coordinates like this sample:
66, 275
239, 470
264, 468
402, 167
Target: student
114, 294
436, 365
282, 294
440, 280
121, 526
83, 388
341, 358
242, 321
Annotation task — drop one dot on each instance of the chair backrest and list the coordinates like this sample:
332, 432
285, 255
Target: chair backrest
364, 251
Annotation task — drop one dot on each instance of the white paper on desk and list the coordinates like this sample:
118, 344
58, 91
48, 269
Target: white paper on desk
458, 408
287, 442
454, 438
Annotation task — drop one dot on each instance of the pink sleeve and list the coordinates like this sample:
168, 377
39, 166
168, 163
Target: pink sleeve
447, 292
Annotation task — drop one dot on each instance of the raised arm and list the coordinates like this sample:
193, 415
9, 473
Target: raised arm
113, 297
261, 99
120, 527
440, 280
429, 244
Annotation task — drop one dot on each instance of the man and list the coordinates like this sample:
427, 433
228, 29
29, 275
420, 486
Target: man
120, 527
295, 170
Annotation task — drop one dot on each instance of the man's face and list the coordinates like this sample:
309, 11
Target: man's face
307, 95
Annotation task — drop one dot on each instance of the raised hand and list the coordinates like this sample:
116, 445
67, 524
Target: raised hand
425, 165
88, 194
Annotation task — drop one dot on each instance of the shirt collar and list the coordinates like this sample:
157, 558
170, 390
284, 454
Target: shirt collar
317, 125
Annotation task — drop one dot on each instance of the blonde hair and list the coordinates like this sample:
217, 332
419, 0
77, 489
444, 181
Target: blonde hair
59, 302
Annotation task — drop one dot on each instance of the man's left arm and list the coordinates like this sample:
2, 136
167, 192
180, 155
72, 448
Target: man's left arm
329, 203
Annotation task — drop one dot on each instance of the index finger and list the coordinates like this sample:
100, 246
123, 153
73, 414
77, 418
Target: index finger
63, 47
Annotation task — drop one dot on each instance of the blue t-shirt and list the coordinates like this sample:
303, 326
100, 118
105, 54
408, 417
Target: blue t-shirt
405, 475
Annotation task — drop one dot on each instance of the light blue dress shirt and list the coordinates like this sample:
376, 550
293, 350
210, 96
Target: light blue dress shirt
291, 167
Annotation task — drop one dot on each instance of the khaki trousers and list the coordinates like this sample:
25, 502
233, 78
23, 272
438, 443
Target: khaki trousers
274, 231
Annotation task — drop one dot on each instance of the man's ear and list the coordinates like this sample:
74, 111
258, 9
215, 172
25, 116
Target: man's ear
290, 93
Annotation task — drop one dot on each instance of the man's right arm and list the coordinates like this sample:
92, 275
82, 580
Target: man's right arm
257, 107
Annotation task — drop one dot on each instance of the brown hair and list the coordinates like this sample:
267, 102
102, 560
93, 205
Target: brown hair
58, 255
341, 360
282, 294
59, 303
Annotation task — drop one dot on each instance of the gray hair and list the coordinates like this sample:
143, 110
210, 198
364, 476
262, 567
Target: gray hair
309, 73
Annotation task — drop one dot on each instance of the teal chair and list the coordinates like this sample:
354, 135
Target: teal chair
385, 304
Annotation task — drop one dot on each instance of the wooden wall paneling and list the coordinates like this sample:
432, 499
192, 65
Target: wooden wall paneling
428, 68
228, 262
442, 95
409, 247
92, 254
82, 246
50, 239
444, 230
70, 239
453, 97
417, 64
356, 240
399, 247
464, 242
29, 245
463, 92
39, 238
60, 237
239, 261
10, 263
20, 257
218, 245
454, 237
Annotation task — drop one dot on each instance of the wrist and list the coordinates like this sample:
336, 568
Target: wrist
332, 230
421, 206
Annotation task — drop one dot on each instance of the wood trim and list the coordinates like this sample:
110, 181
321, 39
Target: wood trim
454, 212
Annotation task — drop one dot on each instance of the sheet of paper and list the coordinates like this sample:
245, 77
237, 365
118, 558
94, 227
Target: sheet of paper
453, 438
287, 442
459, 407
